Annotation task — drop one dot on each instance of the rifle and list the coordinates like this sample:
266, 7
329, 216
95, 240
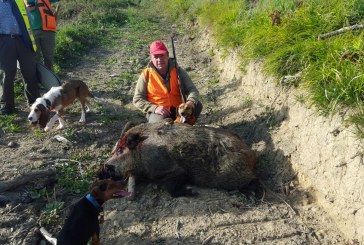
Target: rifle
180, 82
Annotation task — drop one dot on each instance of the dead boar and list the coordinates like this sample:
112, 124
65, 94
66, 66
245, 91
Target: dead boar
175, 155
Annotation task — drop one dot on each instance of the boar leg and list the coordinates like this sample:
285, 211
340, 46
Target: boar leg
175, 183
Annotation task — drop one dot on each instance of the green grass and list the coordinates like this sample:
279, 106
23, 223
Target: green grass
75, 177
86, 26
8, 124
332, 80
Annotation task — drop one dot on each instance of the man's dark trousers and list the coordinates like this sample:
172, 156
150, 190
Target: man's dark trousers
12, 48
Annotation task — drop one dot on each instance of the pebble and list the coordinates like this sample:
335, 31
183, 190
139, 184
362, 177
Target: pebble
12, 144
42, 150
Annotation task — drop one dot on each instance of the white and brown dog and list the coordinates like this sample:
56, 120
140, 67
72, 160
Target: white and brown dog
56, 99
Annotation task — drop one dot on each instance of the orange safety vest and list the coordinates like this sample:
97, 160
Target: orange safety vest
46, 12
157, 92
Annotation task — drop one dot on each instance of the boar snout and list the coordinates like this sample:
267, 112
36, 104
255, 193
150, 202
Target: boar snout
107, 171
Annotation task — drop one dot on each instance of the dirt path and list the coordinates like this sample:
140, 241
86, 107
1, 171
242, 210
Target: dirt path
214, 217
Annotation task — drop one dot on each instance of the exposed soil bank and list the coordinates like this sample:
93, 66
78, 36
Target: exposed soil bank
324, 153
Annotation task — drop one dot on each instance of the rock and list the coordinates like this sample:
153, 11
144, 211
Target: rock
12, 144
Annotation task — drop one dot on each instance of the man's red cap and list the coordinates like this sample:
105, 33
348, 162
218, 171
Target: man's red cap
158, 47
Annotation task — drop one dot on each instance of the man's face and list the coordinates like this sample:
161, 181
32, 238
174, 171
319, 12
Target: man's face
160, 61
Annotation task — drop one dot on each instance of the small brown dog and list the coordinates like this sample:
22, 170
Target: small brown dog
185, 114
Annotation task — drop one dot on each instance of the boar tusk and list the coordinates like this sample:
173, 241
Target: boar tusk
131, 185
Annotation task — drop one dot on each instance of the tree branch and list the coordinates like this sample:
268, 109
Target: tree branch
25, 178
340, 31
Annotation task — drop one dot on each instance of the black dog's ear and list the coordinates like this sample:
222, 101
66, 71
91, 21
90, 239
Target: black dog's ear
44, 115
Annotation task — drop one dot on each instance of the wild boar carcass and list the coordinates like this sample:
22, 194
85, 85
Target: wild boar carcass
179, 154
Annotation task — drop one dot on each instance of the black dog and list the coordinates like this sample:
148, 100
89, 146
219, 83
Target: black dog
82, 222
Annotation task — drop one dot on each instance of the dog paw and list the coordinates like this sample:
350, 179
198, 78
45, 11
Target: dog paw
46, 129
82, 121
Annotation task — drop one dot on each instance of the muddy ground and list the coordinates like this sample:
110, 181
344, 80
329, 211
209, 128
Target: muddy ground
286, 214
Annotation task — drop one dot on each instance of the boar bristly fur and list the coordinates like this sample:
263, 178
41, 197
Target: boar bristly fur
174, 155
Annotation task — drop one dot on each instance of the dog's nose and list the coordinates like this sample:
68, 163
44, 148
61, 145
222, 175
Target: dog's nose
30, 118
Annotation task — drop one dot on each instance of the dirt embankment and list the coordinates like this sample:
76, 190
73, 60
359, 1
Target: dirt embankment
325, 155
286, 139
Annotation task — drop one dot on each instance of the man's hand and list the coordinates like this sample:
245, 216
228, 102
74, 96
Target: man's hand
161, 110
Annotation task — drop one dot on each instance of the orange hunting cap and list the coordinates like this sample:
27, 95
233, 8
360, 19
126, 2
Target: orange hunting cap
158, 47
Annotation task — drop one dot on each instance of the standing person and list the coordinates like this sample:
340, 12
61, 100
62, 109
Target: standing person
158, 91
43, 23
16, 44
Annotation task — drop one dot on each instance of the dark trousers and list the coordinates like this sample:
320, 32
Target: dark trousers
46, 43
13, 49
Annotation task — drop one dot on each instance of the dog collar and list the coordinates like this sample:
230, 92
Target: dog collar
94, 202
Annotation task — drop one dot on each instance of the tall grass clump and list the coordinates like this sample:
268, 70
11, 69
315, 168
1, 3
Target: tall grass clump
331, 68
84, 25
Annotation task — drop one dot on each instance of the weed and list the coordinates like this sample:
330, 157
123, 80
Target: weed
127, 76
19, 90
82, 156
75, 177
270, 119
247, 101
38, 133
357, 119
68, 134
8, 125
332, 78
111, 60
73, 41
300, 98
214, 81
50, 218
114, 83
49, 215
107, 119
36, 194
211, 53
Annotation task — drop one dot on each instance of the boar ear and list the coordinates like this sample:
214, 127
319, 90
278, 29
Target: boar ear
133, 139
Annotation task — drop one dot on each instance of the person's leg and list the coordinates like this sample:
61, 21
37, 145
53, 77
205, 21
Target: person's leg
48, 46
38, 41
152, 117
2, 100
28, 67
8, 66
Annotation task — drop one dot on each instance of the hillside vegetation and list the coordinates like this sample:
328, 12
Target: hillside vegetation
105, 43
330, 69
282, 33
